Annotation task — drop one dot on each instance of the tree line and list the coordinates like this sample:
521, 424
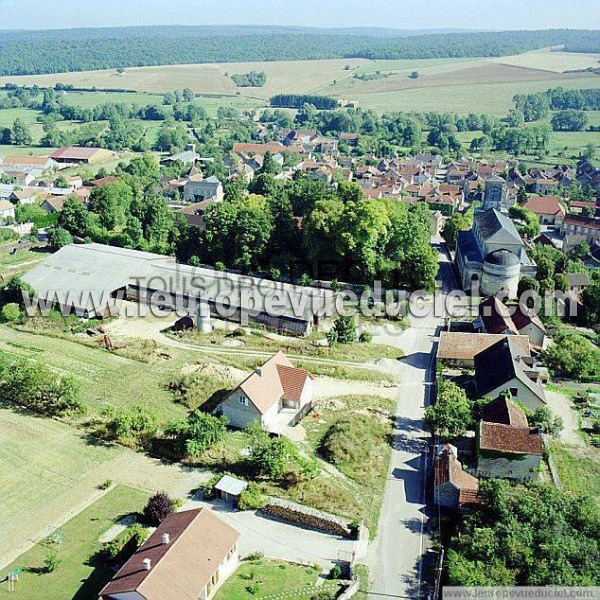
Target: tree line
251, 79
27, 53
299, 100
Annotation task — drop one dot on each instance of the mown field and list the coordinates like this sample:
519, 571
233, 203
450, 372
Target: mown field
79, 575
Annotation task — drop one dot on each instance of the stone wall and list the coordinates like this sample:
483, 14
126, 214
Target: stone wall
306, 517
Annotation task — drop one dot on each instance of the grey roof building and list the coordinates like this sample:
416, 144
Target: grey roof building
89, 278
492, 255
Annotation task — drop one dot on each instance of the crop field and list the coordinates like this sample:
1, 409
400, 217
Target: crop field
104, 376
460, 84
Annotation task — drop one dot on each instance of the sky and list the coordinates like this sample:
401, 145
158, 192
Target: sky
400, 14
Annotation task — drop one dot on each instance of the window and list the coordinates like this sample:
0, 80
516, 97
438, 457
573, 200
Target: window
514, 392
243, 400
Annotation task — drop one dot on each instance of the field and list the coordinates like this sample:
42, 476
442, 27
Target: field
77, 576
50, 471
462, 84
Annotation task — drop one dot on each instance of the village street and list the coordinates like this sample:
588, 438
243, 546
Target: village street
395, 557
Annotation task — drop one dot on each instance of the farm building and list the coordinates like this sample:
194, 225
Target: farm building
188, 557
89, 277
87, 156
453, 487
229, 488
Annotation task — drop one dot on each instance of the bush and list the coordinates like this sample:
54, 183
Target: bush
105, 484
251, 498
159, 507
366, 337
11, 313
51, 562
336, 572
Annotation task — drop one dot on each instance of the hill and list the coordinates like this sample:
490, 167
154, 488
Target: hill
54, 51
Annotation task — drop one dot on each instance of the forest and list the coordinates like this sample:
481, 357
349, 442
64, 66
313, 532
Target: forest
36, 52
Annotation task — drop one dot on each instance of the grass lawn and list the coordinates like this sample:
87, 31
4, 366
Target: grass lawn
270, 577
76, 576
578, 469
21, 261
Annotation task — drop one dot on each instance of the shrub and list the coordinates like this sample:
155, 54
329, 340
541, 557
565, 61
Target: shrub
11, 313
251, 498
365, 337
336, 572
159, 507
254, 556
105, 484
51, 562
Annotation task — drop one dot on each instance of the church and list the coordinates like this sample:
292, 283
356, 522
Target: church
492, 255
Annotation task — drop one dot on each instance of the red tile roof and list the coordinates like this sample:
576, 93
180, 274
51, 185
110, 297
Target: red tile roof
449, 470
545, 205
504, 438
505, 412
74, 153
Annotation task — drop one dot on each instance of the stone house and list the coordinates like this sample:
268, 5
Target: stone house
547, 209
275, 395
506, 446
197, 188
453, 488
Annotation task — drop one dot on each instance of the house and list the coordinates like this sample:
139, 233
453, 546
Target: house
275, 395
507, 447
7, 210
105, 181
194, 213
76, 155
25, 164
55, 204
588, 229
25, 196
544, 186
188, 557
501, 367
577, 282
495, 317
350, 139
457, 349
548, 209
188, 157
229, 488
453, 488
492, 255
196, 188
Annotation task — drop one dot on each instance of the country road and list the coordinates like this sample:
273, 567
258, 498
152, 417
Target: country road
395, 557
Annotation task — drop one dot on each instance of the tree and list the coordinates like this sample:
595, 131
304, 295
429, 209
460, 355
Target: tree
569, 120
414, 75
198, 432
343, 331
188, 94
546, 421
111, 202
451, 415
14, 291
590, 298
159, 507
572, 355
74, 218
20, 135
526, 284
457, 222
11, 313
58, 237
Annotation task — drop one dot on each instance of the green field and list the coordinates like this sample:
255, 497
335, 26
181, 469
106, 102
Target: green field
77, 575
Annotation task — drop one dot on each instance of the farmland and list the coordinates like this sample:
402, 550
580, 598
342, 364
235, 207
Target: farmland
460, 84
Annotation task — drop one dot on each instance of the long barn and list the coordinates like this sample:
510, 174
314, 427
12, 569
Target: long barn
88, 279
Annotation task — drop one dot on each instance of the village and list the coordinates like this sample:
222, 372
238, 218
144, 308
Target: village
298, 350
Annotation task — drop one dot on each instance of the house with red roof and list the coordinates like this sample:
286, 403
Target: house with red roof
548, 209
453, 488
275, 395
76, 155
188, 557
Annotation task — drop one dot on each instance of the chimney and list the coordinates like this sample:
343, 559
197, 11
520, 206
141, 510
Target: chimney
259, 371
147, 564
166, 538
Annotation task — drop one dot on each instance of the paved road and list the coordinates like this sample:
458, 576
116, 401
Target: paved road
395, 557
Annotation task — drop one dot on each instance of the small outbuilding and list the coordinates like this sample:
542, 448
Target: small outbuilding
229, 488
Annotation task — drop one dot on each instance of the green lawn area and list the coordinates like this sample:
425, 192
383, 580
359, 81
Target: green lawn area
578, 469
270, 577
76, 577
92, 99
21, 261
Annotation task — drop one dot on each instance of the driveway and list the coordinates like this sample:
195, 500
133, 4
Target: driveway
280, 540
560, 405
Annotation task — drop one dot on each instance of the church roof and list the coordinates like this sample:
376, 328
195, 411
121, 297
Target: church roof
502, 258
496, 227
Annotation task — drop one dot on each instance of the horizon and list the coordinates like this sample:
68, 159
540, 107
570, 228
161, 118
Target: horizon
405, 15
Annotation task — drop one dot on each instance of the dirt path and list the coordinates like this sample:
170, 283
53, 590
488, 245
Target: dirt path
560, 405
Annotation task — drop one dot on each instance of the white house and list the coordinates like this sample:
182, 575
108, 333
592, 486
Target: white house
275, 395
